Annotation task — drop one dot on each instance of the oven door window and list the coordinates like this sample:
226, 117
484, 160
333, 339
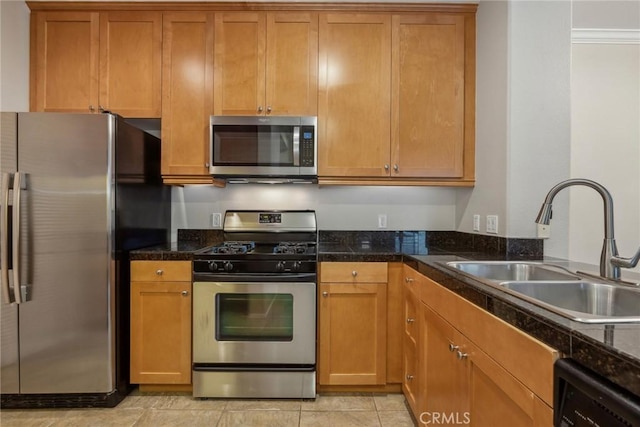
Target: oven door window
254, 317
253, 145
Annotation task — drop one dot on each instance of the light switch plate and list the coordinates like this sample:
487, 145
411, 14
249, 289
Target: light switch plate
382, 220
476, 223
216, 220
492, 224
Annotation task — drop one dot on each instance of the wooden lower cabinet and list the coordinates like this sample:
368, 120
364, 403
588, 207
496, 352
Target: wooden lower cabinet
352, 324
464, 378
160, 322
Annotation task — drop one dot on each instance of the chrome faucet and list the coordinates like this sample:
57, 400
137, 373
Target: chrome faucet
610, 262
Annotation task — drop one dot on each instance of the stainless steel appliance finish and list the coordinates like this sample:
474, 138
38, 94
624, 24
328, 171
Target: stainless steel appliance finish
71, 211
254, 310
258, 149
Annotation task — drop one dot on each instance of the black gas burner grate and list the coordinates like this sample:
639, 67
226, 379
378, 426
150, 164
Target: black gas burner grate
234, 248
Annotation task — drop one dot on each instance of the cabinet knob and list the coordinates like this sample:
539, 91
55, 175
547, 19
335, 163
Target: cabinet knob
185, 293
386, 167
159, 272
408, 279
206, 165
409, 377
410, 320
461, 355
101, 108
354, 273
91, 108
396, 168
453, 347
325, 294
268, 108
260, 109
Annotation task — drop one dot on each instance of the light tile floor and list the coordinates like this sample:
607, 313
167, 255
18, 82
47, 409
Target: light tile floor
163, 409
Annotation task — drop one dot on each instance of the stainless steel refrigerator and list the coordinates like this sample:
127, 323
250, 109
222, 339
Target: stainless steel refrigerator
79, 191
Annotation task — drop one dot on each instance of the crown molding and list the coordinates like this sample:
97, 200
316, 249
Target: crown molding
604, 36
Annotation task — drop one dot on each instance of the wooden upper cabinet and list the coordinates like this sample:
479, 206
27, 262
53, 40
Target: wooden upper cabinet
428, 95
187, 88
130, 63
354, 95
64, 61
87, 61
266, 63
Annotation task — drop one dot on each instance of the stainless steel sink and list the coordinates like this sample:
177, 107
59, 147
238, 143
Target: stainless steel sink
582, 301
500, 271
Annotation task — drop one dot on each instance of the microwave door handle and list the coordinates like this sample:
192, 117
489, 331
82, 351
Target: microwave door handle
17, 189
296, 146
4, 234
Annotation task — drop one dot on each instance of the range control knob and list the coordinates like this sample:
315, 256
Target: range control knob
296, 266
228, 266
213, 266
280, 266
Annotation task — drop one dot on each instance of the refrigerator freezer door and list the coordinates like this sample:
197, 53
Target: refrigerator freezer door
66, 215
9, 375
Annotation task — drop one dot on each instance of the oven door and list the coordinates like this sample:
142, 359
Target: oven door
254, 323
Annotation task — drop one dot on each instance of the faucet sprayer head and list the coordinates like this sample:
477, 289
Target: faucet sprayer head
544, 216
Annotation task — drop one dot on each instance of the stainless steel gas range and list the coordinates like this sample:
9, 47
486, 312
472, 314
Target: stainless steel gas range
254, 308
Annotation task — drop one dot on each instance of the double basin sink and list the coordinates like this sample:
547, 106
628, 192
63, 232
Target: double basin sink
577, 297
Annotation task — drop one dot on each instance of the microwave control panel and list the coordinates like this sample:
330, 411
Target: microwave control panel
307, 146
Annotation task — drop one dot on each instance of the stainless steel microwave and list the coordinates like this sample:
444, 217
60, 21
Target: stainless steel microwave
264, 149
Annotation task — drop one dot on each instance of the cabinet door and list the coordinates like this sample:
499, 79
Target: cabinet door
354, 93
161, 332
498, 398
292, 64
64, 72
187, 88
412, 378
445, 375
428, 95
130, 63
239, 63
352, 334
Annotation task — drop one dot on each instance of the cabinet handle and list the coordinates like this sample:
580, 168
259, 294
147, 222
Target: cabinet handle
91, 108
354, 273
206, 165
386, 167
395, 168
409, 377
159, 272
101, 108
410, 320
453, 347
325, 294
185, 293
260, 109
268, 108
408, 280
461, 355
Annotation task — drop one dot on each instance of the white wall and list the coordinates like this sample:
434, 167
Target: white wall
605, 144
337, 208
14, 56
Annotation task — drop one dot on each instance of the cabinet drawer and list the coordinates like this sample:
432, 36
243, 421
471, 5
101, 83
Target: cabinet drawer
412, 280
353, 272
161, 271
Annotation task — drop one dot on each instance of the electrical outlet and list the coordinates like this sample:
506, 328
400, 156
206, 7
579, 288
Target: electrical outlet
476, 223
216, 220
382, 220
492, 224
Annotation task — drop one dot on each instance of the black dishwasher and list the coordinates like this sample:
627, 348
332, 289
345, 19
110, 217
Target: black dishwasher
584, 398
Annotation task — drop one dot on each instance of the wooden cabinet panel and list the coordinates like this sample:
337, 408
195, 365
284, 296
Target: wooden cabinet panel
428, 95
239, 63
88, 61
160, 332
354, 272
64, 61
354, 82
352, 334
130, 63
187, 88
161, 271
395, 322
292, 64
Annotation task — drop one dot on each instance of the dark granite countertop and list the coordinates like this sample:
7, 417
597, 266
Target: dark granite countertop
611, 350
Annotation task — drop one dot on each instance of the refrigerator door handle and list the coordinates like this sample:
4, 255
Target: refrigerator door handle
17, 190
4, 233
